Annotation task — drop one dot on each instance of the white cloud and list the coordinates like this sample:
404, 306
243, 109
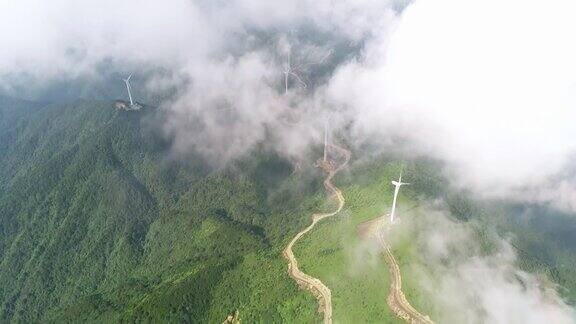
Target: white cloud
467, 284
216, 53
65, 36
487, 86
62, 37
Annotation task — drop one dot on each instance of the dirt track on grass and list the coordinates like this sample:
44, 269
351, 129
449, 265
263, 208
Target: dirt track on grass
314, 285
396, 299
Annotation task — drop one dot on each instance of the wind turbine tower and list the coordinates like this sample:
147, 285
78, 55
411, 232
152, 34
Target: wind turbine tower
397, 185
289, 71
326, 141
286, 72
127, 81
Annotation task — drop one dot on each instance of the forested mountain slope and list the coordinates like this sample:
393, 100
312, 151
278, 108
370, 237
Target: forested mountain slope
97, 222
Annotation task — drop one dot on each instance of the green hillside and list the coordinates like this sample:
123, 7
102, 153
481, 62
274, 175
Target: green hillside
99, 222
358, 277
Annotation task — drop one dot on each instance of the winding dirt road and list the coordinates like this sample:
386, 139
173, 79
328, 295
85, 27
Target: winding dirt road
314, 285
396, 299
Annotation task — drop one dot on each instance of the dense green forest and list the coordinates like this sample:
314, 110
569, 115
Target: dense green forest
99, 221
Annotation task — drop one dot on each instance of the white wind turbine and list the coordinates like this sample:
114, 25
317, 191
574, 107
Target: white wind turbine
397, 185
127, 81
289, 70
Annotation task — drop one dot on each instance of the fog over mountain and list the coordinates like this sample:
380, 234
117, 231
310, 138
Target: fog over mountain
486, 87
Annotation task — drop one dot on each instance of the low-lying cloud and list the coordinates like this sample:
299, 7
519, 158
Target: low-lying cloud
489, 87
226, 60
470, 283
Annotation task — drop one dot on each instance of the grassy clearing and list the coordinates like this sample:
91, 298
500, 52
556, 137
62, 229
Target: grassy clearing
352, 268
409, 259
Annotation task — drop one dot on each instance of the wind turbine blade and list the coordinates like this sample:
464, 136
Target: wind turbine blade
299, 79
127, 81
318, 62
326, 56
297, 69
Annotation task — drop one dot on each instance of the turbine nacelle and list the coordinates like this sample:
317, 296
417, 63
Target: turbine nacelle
127, 80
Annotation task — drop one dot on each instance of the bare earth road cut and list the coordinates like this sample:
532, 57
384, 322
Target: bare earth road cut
396, 299
314, 285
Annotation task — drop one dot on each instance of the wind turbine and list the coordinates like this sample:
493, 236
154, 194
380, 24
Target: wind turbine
288, 70
127, 81
397, 185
